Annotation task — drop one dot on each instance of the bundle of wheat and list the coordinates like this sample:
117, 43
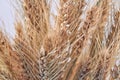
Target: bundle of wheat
82, 46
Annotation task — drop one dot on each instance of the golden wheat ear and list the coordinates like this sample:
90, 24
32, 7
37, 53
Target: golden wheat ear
10, 64
30, 36
37, 21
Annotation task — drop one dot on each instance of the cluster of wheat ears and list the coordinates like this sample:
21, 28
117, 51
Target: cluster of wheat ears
83, 43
